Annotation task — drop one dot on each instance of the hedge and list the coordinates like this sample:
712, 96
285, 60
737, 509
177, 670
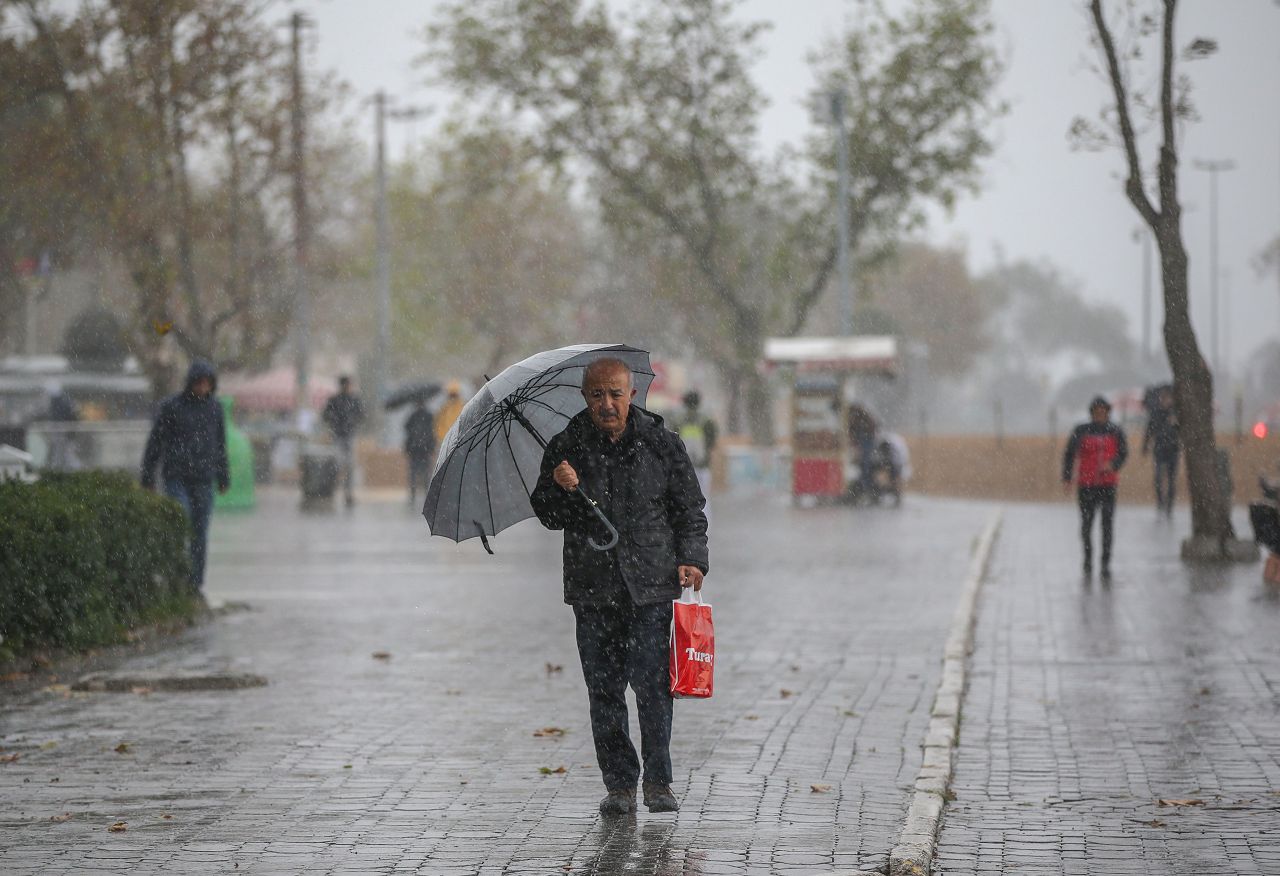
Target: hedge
86, 556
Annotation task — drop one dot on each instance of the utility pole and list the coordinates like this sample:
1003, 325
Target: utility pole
1226, 319
1214, 168
301, 216
842, 212
381, 367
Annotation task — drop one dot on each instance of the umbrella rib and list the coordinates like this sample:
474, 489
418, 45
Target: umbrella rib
488, 493
507, 425
462, 475
541, 403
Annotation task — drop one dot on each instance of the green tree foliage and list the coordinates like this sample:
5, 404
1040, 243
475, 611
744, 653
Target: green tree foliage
927, 294
1042, 314
659, 108
160, 131
919, 90
489, 255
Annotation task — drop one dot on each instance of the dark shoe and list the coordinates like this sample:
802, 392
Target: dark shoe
619, 802
659, 798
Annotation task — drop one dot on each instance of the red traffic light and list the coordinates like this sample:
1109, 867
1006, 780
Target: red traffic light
1260, 429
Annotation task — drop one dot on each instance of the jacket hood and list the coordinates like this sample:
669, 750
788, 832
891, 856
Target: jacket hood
200, 368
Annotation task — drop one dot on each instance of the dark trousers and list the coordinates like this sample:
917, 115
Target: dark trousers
419, 471
196, 499
866, 458
346, 464
622, 644
1166, 474
1093, 499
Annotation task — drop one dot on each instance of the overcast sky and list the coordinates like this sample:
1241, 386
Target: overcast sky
1040, 199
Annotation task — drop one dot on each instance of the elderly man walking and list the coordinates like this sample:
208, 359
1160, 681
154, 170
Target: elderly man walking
638, 471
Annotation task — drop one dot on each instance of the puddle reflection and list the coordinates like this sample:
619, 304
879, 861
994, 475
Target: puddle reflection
626, 847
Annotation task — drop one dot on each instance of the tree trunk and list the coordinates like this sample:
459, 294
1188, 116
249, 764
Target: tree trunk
733, 410
759, 407
1193, 394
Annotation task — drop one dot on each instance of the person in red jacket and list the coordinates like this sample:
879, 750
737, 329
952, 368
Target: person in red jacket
1096, 451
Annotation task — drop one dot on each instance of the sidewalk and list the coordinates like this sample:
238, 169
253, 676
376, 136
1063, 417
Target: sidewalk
1089, 704
830, 626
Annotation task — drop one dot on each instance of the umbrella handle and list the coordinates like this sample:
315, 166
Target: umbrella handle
613, 530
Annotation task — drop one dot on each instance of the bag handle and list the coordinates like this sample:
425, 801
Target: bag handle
689, 596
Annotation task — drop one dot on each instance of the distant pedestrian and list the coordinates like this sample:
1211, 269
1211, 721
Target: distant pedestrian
1161, 440
699, 434
64, 444
449, 410
343, 414
419, 446
863, 432
1096, 452
626, 459
188, 442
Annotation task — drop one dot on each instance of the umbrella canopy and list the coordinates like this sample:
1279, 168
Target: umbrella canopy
488, 462
411, 393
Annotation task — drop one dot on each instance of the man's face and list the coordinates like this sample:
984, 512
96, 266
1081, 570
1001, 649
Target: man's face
609, 394
202, 387
1099, 413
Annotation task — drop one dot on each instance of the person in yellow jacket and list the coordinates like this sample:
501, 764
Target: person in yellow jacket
449, 410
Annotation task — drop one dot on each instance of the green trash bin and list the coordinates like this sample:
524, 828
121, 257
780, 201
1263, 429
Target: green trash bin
240, 456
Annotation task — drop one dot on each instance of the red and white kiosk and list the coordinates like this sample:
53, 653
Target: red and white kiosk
822, 372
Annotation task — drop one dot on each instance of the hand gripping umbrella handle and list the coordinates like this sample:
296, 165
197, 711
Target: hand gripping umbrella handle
520, 418
613, 530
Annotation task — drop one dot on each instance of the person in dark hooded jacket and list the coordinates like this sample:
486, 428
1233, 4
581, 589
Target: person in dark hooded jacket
640, 474
188, 444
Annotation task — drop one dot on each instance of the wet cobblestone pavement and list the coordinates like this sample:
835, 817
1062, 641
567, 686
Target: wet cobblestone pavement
1090, 704
830, 625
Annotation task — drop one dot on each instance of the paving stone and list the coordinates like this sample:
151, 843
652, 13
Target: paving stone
1088, 703
427, 762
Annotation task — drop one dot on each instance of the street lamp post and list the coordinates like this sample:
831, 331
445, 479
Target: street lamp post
382, 356
843, 268
1214, 168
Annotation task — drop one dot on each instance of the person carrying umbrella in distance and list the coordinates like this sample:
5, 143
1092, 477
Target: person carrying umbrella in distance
643, 480
419, 445
1096, 451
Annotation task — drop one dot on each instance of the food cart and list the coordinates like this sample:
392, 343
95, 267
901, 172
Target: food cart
824, 374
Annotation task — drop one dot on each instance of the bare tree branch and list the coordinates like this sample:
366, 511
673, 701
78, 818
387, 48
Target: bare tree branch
1134, 184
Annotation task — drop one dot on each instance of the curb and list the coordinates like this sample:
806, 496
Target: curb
913, 854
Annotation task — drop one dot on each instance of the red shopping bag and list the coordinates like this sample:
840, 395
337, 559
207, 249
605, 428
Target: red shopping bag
693, 646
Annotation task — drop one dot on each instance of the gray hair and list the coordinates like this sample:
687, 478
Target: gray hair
606, 365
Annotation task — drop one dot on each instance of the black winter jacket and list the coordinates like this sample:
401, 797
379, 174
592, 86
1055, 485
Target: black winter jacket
646, 485
420, 433
188, 439
343, 414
